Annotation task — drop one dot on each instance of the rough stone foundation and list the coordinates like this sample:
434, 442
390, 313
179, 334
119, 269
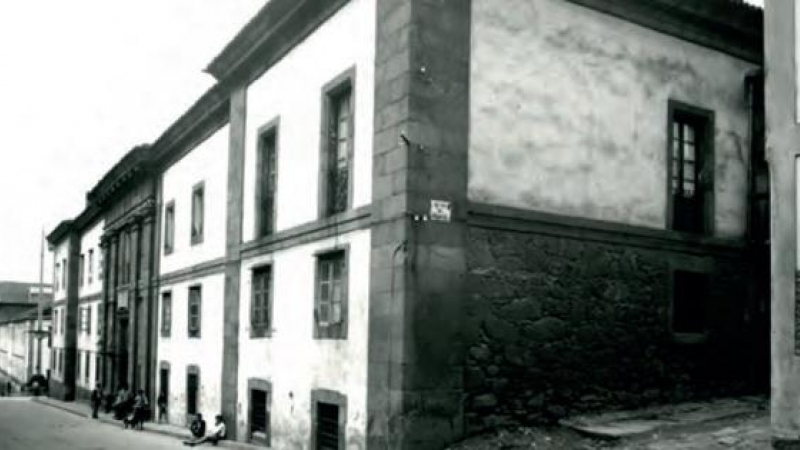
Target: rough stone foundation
561, 325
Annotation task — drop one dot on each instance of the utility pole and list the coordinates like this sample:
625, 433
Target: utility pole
39, 308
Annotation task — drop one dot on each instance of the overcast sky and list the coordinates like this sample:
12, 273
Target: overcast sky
82, 82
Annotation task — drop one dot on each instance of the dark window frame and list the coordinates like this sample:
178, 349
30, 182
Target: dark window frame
90, 265
265, 438
332, 398
89, 319
169, 227
344, 83
683, 336
197, 230
192, 332
704, 122
257, 329
269, 131
192, 370
82, 270
166, 314
336, 329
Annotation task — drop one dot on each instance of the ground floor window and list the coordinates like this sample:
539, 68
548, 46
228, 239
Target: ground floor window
260, 393
192, 390
689, 303
329, 413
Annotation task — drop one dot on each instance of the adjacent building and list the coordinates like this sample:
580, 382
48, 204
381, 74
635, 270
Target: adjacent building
392, 223
24, 340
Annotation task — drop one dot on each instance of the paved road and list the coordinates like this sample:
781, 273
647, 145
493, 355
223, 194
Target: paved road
27, 425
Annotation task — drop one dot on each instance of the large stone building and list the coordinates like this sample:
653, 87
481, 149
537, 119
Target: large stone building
392, 223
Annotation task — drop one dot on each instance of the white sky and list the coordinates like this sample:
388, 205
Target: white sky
82, 82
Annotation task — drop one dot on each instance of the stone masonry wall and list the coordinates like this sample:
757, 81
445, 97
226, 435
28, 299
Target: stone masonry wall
560, 326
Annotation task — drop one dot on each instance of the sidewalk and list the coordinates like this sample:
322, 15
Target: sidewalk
84, 410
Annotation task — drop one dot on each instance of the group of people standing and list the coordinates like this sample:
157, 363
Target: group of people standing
133, 410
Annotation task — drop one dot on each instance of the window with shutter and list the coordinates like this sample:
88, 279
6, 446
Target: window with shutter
169, 227
331, 295
336, 174
327, 426
166, 314
690, 168
261, 302
198, 205
195, 306
267, 179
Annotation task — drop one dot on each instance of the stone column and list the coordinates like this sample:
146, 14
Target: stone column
149, 319
783, 144
112, 327
418, 266
234, 211
103, 311
134, 304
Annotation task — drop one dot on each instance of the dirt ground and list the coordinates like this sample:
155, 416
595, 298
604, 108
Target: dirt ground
740, 433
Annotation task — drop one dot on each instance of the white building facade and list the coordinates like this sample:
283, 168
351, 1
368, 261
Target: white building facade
191, 282
90, 285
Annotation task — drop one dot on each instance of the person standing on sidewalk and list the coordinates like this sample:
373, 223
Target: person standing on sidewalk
162, 406
97, 398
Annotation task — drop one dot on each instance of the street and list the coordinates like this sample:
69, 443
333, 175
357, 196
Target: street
26, 425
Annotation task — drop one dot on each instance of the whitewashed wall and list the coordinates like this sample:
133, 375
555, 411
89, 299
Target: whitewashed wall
180, 351
208, 162
292, 90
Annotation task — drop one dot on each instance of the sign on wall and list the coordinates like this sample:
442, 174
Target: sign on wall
441, 210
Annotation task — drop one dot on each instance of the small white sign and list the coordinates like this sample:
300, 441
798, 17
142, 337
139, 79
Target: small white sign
441, 210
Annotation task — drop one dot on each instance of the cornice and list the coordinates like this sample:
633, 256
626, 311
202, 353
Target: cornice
729, 26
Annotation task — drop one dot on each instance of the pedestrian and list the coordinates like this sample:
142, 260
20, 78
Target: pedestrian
139, 411
97, 398
216, 434
198, 426
162, 406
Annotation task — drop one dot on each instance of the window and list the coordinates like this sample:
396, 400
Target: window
261, 303
267, 181
55, 321
192, 388
100, 265
88, 319
84, 322
56, 276
331, 295
328, 421
197, 213
91, 265
259, 412
689, 303
99, 316
86, 367
63, 320
194, 311
82, 269
691, 168
169, 228
64, 273
166, 314
336, 161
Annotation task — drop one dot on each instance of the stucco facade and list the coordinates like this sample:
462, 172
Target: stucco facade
188, 263
392, 223
90, 288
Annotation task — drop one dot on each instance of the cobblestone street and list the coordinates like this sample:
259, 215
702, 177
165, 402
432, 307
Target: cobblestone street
26, 425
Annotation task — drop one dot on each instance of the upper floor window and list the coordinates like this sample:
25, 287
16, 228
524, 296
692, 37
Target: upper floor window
691, 168
198, 200
166, 314
195, 308
337, 155
169, 227
82, 269
330, 306
260, 306
267, 181
125, 241
100, 264
91, 265
57, 276
64, 273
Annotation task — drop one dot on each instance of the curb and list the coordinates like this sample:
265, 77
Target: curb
182, 437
